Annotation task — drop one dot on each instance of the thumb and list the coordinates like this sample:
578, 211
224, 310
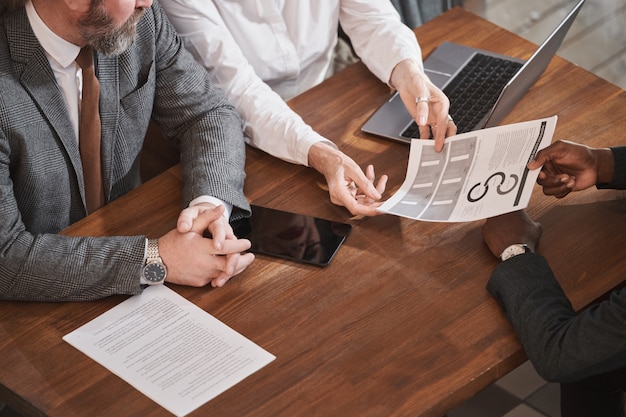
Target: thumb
534, 164
370, 190
197, 219
539, 160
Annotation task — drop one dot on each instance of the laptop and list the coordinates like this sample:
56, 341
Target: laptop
474, 103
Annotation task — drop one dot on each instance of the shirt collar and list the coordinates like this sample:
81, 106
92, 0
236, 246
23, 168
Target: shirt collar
57, 48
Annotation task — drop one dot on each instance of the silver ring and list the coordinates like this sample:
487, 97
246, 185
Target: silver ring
450, 118
421, 99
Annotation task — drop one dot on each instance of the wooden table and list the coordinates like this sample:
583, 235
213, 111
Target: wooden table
399, 324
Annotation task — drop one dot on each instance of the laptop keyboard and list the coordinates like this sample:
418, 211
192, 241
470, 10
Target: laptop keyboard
474, 91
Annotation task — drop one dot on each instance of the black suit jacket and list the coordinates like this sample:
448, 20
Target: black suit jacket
562, 345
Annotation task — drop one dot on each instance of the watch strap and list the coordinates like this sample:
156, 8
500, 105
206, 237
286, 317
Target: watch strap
154, 270
152, 251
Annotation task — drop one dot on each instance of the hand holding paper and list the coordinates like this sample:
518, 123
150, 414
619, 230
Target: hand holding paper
479, 174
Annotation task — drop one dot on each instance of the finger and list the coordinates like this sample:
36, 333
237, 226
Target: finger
542, 176
221, 279
557, 188
534, 164
219, 271
364, 182
558, 192
218, 229
541, 158
232, 246
231, 263
243, 262
562, 194
229, 233
425, 132
550, 169
421, 112
371, 176
547, 174
350, 203
237, 262
382, 184
189, 215
369, 173
357, 205
439, 132
556, 180
451, 129
185, 220
198, 218
366, 209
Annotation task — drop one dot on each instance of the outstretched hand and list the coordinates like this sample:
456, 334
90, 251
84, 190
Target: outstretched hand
424, 101
569, 166
347, 184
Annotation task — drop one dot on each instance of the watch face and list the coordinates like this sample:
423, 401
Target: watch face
154, 272
513, 250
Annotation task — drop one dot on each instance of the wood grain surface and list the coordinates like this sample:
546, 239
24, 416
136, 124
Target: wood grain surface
400, 323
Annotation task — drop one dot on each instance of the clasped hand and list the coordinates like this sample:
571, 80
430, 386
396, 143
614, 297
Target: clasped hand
195, 259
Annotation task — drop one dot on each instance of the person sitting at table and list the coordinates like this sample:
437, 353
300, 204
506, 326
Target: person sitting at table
585, 352
49, 178
264, 52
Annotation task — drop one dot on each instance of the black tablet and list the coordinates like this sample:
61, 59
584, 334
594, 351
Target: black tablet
292, 236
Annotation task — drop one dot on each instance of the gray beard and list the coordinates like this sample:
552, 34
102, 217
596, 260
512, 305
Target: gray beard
113, 45
106, 39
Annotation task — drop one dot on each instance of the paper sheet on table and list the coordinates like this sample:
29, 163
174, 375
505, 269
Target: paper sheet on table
478, 175
169, 349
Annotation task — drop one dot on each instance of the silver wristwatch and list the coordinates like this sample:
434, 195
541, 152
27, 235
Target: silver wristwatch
514, 250
154, 271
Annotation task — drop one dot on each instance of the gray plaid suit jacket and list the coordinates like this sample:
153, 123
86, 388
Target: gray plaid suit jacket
41, 185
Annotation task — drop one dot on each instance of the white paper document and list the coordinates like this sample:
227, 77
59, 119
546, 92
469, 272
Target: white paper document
169, 349
478, 175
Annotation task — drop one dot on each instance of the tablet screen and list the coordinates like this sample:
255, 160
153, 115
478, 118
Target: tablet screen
292, 236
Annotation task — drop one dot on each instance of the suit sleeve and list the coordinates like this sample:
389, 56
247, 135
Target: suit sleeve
562, 345
196, 114
53, 267
619, 179
37, 263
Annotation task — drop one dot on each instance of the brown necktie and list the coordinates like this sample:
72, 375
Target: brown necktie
89, 132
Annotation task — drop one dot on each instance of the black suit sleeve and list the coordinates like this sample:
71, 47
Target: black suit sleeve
619, 178
562, 345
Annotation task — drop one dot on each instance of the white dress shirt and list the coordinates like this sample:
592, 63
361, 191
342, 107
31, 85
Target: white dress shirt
61, 55
261, 50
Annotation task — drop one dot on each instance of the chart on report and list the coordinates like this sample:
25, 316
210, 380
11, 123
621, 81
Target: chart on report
478, 174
